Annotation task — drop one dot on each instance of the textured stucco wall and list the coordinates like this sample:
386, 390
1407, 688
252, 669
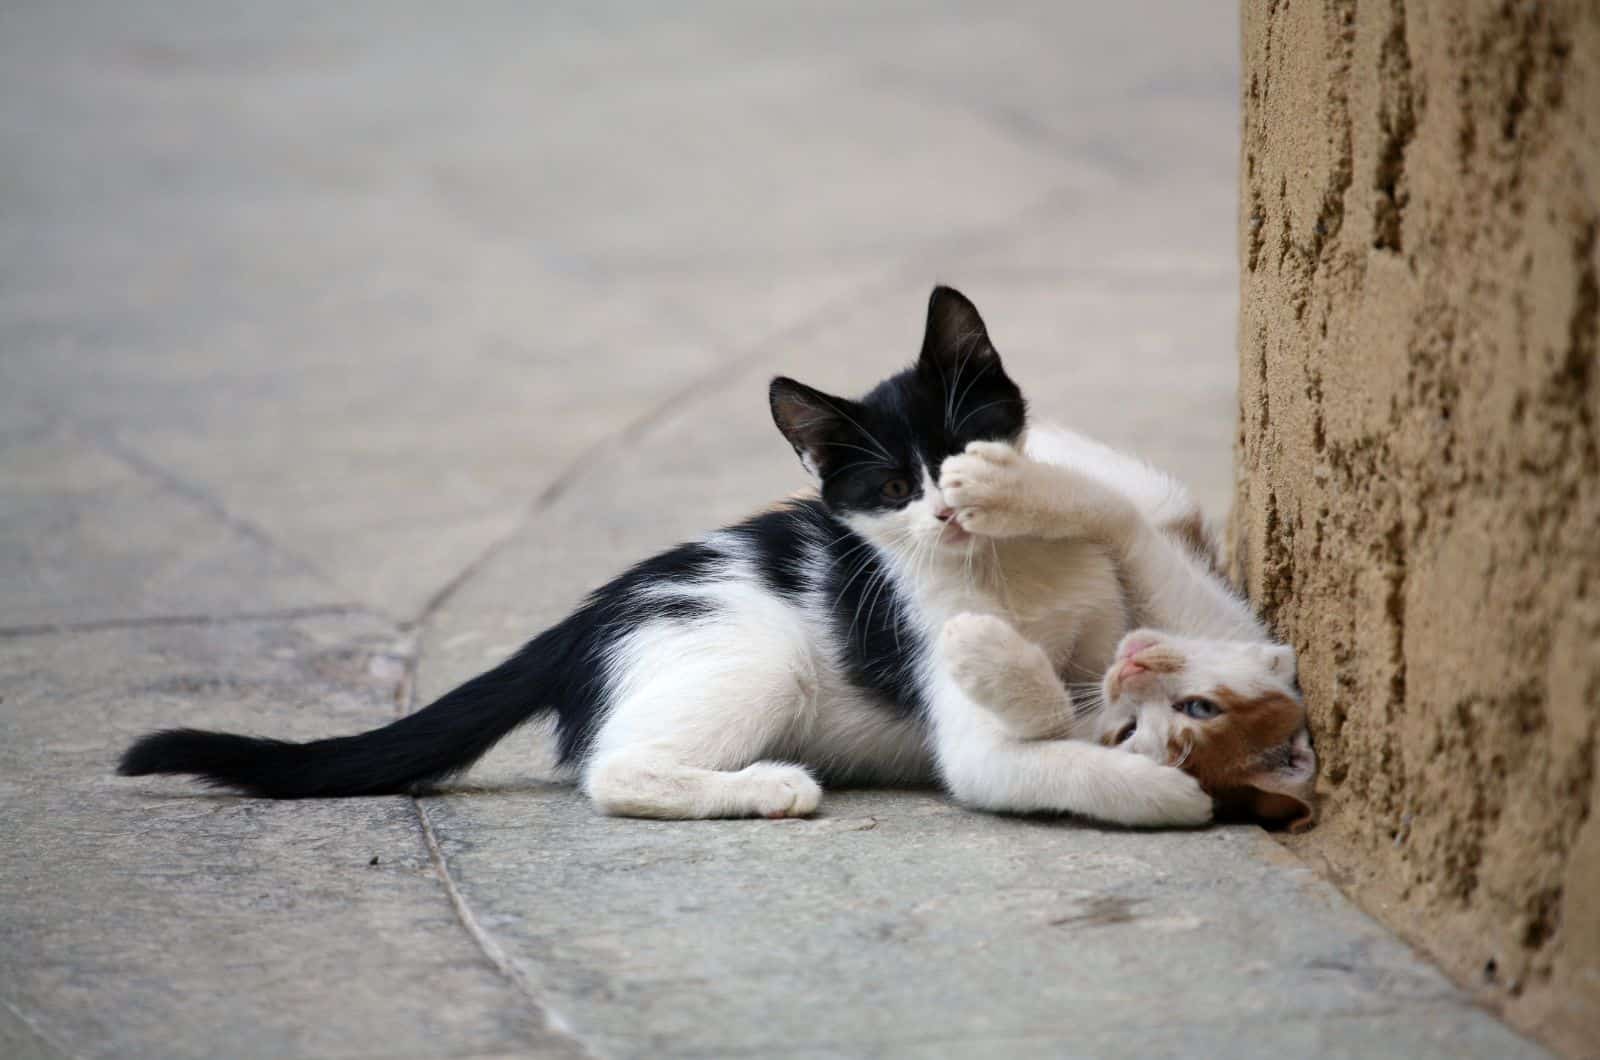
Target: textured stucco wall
1418, 503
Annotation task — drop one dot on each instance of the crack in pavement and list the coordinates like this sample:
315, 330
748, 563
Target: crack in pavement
491, 949
485, 942
96, 625
33, 1027
113, 446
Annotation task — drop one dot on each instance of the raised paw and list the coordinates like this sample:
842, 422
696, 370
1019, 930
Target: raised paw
776, 790
987, 485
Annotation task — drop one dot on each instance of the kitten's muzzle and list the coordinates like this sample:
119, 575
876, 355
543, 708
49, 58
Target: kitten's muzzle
951, 532
1139, 657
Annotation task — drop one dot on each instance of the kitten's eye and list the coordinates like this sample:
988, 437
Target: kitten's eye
1125, 733
897, 489
1198, 709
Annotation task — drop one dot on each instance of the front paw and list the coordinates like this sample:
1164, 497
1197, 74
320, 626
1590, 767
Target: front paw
987, 485
1159, 796
777, 789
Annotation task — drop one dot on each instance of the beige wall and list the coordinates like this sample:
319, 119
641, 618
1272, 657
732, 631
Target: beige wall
1418, 503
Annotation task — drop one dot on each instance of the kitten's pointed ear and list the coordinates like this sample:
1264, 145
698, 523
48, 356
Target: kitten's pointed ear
811, 420
955, 334
1281, 790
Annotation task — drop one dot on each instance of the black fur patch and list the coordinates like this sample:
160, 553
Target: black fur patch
577, 690
800, 549
783, 539
881, 649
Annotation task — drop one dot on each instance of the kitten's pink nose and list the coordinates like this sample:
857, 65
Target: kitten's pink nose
1133, 646
945, 514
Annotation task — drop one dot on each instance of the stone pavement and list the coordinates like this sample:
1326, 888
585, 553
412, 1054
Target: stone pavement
341, 346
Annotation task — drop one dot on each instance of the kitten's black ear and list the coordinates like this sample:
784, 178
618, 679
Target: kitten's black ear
956, 337
811, 420
958, 359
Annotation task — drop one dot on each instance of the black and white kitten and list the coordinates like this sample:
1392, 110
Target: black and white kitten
720, 678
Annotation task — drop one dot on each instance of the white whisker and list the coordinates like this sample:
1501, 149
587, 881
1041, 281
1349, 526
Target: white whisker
882, 449
974, 412
979, 374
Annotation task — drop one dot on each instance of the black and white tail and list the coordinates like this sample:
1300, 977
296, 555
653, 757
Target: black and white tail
442, 739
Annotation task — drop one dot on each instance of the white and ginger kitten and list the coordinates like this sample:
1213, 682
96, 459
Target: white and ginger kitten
1201, 685
726, 676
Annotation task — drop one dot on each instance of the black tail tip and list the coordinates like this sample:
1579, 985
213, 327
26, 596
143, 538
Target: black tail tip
172, 751
150, 753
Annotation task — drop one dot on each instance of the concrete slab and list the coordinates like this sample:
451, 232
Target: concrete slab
899, 925
143, 920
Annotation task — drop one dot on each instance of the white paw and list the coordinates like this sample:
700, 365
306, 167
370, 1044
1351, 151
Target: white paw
1158, 796
778, 790
987, 486
986, 656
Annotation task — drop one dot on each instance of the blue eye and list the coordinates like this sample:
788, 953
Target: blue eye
1198, 709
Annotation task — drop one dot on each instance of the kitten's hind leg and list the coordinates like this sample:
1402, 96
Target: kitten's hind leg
655, 782
694, 711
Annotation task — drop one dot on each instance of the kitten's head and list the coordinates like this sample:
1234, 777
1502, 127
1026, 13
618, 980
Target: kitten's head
1228, 712
877, 458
